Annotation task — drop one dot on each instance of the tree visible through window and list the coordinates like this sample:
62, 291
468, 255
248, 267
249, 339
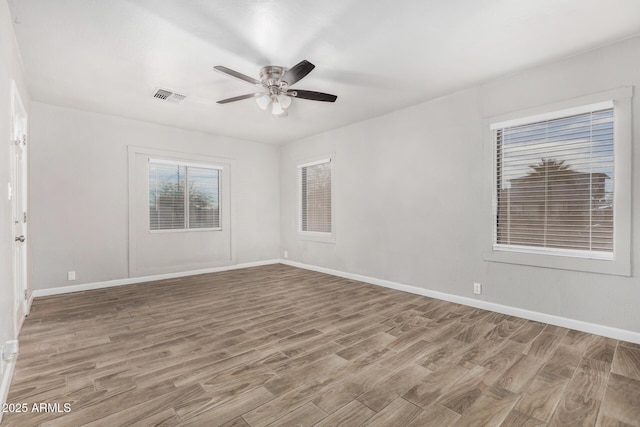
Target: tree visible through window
183, 196
555, 184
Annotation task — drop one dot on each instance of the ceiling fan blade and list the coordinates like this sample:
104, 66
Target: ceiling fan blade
239, 98
314, 96
298, 72
237, 75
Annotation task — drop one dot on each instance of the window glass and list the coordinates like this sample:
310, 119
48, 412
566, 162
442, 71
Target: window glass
555, 181
183, 196
316, 197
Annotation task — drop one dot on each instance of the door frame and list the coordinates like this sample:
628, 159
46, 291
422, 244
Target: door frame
19, 183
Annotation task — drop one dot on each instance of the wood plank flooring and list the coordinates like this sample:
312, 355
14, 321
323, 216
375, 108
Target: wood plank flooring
281, 346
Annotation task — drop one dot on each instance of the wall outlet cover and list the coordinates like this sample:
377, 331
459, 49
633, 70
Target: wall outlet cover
477, 288
10, 350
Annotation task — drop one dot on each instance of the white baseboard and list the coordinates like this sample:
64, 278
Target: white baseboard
132, 280
6, 382
30, 303
593, 328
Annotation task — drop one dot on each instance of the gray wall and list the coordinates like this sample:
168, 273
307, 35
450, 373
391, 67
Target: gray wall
412, 195
79, 192
10, 70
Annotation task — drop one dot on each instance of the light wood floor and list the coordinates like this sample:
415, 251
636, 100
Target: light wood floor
281, 346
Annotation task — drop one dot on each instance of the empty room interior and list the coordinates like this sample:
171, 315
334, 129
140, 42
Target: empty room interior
297, 213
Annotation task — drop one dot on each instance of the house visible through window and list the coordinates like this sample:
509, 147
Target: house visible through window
183, 196
315, 197
555, 181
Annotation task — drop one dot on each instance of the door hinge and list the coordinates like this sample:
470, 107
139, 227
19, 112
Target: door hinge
24, 217
25, 294
20, 141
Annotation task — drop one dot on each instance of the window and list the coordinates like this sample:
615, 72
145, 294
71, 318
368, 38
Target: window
183, 196
315, 197
555, 183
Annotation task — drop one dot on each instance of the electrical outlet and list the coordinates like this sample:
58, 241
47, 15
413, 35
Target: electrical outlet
286, 254
477, 288
71, 275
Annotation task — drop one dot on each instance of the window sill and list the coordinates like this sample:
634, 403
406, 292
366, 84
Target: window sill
184, 230
317, 237
615, 267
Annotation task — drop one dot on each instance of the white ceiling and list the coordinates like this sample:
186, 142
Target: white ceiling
378, 56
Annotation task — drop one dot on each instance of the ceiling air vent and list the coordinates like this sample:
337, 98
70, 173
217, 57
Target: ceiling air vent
162, 94
176, 98
167, 95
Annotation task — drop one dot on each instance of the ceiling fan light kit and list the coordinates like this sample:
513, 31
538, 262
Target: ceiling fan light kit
279, 103
263, 101
276, 81
277, 110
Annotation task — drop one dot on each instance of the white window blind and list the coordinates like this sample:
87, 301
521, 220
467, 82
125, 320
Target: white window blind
315, 197
182, 196
204, 203
166, 196
554, 184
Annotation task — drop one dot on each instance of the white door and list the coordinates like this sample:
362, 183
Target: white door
19, 206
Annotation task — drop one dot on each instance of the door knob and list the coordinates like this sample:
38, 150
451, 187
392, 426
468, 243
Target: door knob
20, 239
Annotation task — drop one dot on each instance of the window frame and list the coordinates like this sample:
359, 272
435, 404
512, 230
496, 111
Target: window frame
620, 263
553, 115
186, 164
318, 236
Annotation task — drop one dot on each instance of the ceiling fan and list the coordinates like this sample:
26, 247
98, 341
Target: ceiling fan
277, 82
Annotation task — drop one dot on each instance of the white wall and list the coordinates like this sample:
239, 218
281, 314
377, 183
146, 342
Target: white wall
10, 70
79, 192
173, 252
412, 199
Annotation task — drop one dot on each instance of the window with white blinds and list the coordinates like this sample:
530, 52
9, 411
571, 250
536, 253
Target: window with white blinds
183, 196
315, 197
555, 181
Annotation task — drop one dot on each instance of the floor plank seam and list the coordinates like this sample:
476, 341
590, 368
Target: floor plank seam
310, 348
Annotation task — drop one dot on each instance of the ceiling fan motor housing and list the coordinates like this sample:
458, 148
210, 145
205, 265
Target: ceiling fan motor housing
271, 74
